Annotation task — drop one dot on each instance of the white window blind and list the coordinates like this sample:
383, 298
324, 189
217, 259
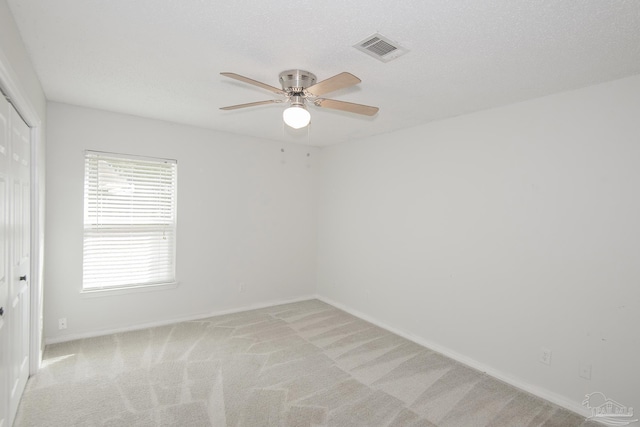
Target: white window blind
129, 221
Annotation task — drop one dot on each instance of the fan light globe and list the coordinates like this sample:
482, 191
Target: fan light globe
296, 116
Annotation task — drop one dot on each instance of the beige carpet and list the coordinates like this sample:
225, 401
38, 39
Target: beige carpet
300, 364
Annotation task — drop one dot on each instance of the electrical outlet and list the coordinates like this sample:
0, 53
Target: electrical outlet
545, 356
585, 371
62, 323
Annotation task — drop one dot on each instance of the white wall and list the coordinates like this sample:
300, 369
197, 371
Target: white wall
243, 216
17, 58
494, 234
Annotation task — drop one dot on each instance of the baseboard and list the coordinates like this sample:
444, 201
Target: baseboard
496, 373
164, 322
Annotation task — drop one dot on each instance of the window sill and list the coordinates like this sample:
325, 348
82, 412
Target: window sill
93, 293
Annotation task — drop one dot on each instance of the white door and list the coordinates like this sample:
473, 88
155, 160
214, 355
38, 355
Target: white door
19, 246
5, 143
15, 159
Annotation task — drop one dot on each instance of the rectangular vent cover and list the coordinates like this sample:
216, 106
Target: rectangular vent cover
380, 47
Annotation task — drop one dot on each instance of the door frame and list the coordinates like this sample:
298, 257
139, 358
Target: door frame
11, 86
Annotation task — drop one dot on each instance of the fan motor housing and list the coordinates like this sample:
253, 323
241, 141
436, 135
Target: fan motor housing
296, 80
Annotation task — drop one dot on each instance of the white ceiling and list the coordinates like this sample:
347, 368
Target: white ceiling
161, 58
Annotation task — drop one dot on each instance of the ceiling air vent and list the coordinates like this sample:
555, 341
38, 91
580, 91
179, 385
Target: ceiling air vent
380, 48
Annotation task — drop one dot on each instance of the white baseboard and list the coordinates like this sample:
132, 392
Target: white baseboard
163, 322
496, 373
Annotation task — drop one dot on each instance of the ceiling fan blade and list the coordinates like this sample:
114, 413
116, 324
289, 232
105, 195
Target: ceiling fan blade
255, 83
251, 104
346, 106
339, 81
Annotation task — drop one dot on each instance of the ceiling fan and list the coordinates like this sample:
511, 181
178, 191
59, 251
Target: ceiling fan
299, 87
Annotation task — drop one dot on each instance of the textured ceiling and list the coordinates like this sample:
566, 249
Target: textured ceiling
161, 58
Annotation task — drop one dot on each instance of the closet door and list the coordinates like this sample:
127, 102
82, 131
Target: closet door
15, 228
5, 143
19, 250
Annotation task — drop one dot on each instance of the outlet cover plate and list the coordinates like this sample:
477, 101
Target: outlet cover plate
585, 371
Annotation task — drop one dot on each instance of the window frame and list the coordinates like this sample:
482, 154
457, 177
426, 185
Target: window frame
171, 282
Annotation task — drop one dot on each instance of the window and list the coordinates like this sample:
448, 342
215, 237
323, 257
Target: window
129, 221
